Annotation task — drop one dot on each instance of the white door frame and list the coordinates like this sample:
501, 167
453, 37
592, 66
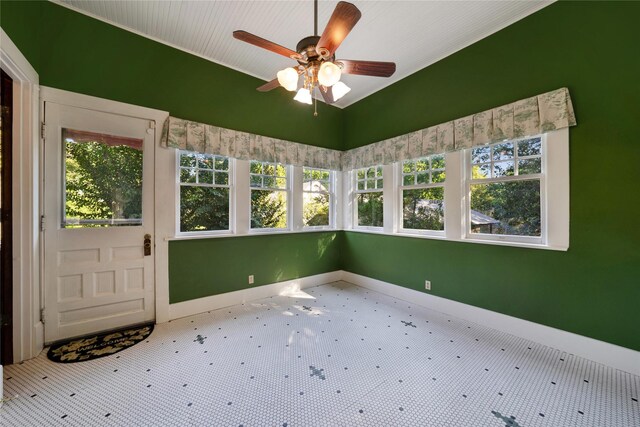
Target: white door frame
28, 336
73, 99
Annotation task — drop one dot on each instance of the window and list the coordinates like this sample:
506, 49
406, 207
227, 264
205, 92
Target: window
505, 184
102, 180
269, 195
369, 197
512, 192
317, 197
205, 191
422, 194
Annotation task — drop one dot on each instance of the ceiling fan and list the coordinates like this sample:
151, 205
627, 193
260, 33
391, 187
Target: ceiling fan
316, 58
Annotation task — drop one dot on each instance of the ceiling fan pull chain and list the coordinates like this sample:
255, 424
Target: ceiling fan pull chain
315, 106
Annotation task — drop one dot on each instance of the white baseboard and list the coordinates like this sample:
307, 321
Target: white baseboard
201, 305
599, 351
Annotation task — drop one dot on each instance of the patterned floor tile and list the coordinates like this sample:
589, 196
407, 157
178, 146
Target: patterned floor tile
333, 355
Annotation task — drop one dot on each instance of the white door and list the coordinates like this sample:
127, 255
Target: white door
98, 207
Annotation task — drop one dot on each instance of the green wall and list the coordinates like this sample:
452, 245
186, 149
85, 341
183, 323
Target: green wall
594, 288
77, 53
229, 261
21, 20
74, 52
589, 47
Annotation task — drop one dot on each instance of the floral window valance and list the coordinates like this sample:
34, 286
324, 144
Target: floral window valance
203, 138
549, 111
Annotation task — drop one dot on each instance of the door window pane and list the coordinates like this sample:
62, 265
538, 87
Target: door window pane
102, 180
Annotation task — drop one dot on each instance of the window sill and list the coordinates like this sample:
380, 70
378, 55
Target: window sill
249, 234
482, 242
371, 230
368, 231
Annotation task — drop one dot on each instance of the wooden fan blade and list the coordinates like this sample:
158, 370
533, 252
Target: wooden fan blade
327, 95
344, 18
269, 86
367, 68
265, 44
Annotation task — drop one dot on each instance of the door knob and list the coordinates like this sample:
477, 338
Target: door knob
147, 244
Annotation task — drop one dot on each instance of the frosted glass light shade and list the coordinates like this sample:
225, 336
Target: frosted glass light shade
288, 79
339, 90
329, 74
303, 96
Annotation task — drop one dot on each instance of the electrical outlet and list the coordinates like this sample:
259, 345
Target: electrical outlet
427, 285
251, 279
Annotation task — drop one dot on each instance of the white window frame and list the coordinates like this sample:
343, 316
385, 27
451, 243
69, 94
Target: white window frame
332, 200
554, 200
240, 202
400, 199
354, 198
230, 186
542, 177
287, 190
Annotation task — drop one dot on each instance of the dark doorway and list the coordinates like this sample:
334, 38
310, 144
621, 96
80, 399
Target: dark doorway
6, 241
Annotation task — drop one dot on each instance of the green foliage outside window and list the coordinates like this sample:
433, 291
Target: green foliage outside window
316, 197
204, 192
423, 201
268, 200
103, 183
370, 209
513, 205
423, 209
316, 210
268, 209
204, 208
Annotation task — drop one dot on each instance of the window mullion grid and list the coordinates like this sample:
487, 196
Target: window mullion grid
469, 182
196, 169
401, 187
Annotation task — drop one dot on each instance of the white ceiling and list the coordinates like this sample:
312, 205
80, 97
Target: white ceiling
413, 34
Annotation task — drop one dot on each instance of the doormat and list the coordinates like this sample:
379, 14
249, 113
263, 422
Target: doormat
99, 345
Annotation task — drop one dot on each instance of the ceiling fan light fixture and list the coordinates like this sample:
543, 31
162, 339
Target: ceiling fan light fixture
303, 96
288, 79
329, 74
316, 58
339, 90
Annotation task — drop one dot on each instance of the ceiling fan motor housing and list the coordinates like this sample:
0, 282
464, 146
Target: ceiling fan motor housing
307, 49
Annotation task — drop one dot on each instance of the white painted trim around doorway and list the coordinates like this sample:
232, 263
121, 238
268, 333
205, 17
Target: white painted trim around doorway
27, 328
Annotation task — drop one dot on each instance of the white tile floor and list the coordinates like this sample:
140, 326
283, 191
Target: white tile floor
333, 355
